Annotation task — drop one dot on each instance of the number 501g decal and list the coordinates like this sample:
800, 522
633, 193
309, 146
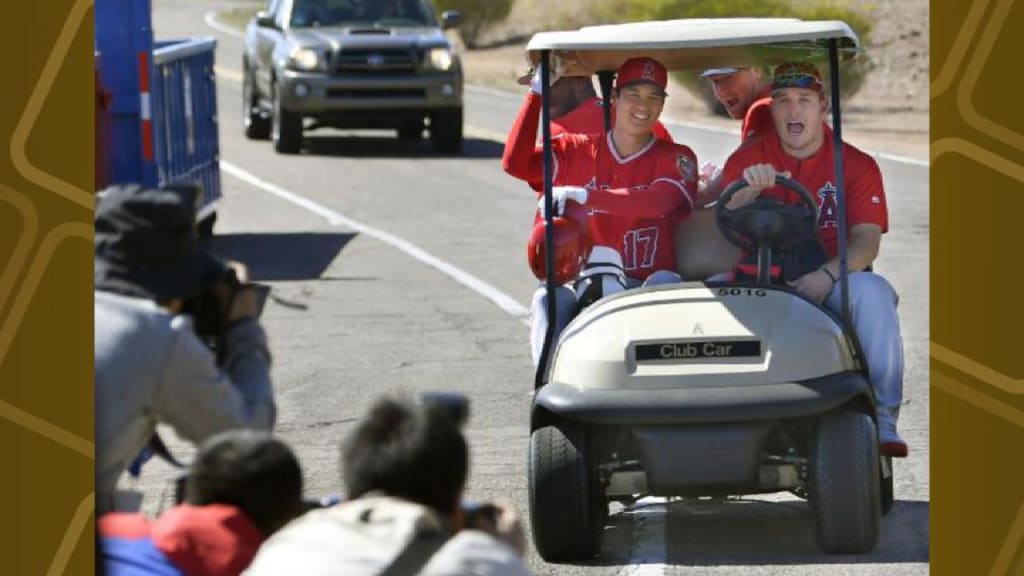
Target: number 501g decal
759, 292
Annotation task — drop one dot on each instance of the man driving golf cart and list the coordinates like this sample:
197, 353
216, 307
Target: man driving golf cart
799, 148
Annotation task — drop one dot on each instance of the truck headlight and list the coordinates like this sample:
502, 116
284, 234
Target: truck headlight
439, 58
304, 59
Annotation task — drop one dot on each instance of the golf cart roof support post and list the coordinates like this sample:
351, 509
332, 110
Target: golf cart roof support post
549, 227
837, 147
605, 78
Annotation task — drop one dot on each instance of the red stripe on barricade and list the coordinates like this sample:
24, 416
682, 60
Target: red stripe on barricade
147, 140
143, 72
145, 114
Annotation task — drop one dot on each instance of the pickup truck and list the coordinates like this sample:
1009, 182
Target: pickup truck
352, 64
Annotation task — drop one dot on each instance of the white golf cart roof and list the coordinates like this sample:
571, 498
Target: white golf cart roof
694, 43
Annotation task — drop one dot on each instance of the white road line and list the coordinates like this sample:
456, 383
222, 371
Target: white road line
898, 158
485, 91
502, 300
701, 126
211, 20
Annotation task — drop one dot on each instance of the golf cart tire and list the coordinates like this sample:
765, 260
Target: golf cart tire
286, 132
845, 483
888, 494
257, 124
566, 509
446, 130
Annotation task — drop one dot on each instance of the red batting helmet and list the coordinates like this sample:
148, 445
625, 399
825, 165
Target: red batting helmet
572, 248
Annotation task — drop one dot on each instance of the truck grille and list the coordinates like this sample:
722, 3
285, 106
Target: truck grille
376, 93
364, 62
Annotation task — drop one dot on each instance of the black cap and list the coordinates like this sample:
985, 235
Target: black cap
147, 245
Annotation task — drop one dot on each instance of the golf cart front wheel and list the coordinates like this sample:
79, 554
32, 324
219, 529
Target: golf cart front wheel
567, 509
845, 491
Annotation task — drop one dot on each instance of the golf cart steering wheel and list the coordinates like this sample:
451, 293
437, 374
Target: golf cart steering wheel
768, 221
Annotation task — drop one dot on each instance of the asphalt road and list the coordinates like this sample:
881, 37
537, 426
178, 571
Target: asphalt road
374, 292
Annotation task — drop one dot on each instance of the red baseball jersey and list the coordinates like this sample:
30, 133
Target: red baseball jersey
758, 120
635, 202
862, 183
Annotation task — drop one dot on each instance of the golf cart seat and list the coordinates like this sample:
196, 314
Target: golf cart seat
701, 249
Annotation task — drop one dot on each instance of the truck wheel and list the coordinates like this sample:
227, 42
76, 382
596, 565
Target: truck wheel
257, 125
411, 131
566, 508
286, 130
844, 482
446, 130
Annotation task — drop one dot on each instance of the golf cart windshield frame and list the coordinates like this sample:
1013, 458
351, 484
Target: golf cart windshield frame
694, 44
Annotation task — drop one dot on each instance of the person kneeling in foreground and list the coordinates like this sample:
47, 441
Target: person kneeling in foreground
404, 470
242, 487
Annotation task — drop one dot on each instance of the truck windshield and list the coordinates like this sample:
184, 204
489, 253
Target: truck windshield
370, 13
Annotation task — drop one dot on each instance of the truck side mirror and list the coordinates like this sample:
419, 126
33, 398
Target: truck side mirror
265, 19
450, 19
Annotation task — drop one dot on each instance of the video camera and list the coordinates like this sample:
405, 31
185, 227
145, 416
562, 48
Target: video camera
211, 306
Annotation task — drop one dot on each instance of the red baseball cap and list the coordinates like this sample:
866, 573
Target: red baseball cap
641, 69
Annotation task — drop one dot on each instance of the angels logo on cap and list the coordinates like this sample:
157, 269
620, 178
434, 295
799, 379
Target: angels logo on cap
648, 72
642, 70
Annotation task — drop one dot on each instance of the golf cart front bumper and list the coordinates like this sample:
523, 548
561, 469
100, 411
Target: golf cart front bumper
703, 405
699, 441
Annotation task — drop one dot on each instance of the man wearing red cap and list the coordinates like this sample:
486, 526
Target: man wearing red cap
636, 187
800, 148
577, 109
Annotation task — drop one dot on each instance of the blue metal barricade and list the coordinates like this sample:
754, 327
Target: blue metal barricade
163, 102
185, 116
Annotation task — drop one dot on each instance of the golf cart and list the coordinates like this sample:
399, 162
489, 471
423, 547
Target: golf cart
705, 388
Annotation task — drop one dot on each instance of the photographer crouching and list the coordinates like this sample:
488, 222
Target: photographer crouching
404, 471
154, 287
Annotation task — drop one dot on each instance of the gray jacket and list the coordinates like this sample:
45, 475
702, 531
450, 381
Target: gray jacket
150, 368
363, 536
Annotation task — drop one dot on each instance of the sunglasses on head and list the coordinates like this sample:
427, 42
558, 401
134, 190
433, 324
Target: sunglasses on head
797, 81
